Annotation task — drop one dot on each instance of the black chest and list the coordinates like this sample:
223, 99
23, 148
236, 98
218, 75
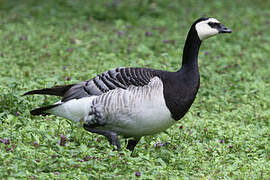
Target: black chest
180, 91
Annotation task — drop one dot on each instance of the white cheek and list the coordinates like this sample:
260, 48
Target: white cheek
205, 31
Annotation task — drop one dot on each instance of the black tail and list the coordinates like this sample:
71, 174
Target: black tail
56, 91
42, 110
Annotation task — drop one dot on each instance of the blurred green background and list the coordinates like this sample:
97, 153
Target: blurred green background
226, 133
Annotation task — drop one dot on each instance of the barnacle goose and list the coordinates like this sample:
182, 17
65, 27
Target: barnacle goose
134, 102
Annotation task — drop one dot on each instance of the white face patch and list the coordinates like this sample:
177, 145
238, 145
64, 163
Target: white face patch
204, 30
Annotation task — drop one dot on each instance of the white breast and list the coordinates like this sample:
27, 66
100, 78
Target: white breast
136, 111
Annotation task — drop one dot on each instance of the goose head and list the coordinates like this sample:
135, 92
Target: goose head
208, 27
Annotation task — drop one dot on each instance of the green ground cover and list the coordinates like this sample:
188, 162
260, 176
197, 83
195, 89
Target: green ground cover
225, 135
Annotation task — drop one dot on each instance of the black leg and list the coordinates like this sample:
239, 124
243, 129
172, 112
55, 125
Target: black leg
111, 136
132, 143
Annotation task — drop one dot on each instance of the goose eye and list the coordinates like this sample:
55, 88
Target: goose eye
214, 25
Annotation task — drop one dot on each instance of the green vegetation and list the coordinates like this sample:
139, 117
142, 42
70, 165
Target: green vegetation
225, 135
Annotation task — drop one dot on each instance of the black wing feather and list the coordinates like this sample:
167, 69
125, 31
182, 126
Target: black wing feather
109, 80
56, 91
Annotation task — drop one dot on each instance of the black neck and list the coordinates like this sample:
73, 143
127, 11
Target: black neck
180, 88
191, 50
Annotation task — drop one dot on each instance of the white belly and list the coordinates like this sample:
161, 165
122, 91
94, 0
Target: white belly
137, 111
134, 112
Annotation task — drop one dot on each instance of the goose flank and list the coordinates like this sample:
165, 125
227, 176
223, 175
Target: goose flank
134, 102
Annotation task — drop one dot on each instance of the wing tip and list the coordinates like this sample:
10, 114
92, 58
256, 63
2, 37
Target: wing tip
56, 90
29, 93
42, 110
